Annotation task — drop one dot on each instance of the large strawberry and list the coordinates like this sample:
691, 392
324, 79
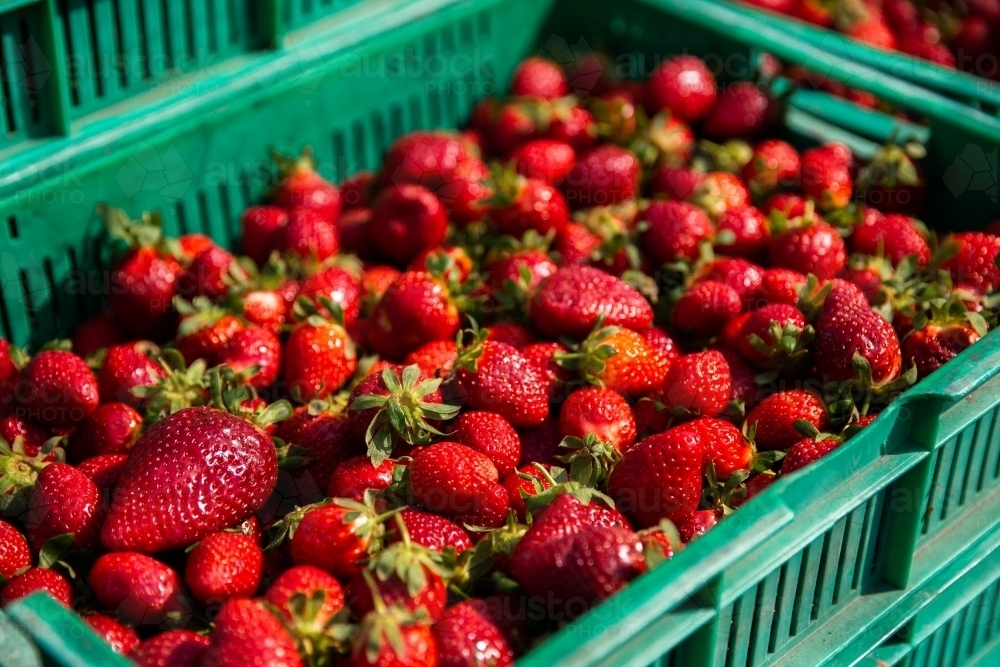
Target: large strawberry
497, 377
416, 309
112, 429
428, 159
34, 580
849, 334
684, 86
570, 302
814, 248
892, 236
14, 552
407, 219
698, 383
974, 263
248, 628
335, 536
521, 204
195, 472
773, 420
537, 77
674, 230
458, 481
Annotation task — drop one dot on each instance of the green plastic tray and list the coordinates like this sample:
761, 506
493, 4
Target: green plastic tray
822, 567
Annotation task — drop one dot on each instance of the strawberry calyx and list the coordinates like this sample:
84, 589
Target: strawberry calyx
469, 343
722, 495
787, 347
198, 314
411, 563
862, 392
19, 471
322, 312
229, 392
560, 482
730, 156
301, 166
660, 542
892, 165
496, 544
506, 185
180, 386
590, 459
949, 312
590, 357
384, 625
372, 527
812, 296
317, 635
403, 414
618, 120
146, 232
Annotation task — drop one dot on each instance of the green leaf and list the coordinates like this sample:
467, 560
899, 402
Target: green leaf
55, 549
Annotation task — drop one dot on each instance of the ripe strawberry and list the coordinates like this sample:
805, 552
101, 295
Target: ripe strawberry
393, 637
684, 86
674, 230
741, 110
497, 377
405, 575
206, 274
569, 303
892, 236
137, 588
336, 284
806, 451
527, 480
675, 182
974, 264
601, 412
326, 437
112, 429
334, 537
619, 359
659, 339
724, 445
416, 309
125, 367
706, 308
603, 176
816, 248
253, 346
743, 378
307, 581
14, 553
355, 190
537, 77
742, 231
447, 260
309, 236
432, 531
64, 500
205, 330
435, 358
719, 192
697, 524
936, 344
660, 477
34, 580
491, 434
826, 176
873, 31
162, 500
775, 336
319, 357
544, 159
775, 164
121, 639
576, 245
407, 219
224, 566
698, 383
104, 470
522, 204
508, 267
781, 286
354, 233
172, 648
465, 194
58, 389
247, 628
92, 334
467, 635
773, 420
512, 333
848, 327
457, 481
427, 159
352, 477
301, 187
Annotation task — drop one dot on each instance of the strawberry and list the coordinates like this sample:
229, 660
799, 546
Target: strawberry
603, 176
112, 429
354, 191
741, 110
307, 581
698, 383
120, 638
336, 284
137, 588
675, 182
352, 477
309, 236
576, 245
849, 328
407, 219
719, 192
781, 286
467, 635
806, 451
540, 443
937, 343
58, 389
544, 159
224, 566
34, 580
393, 637
527, 480
432, 531
206, 274
319, 355
724, 445
892, 236
434, 358
104, 470
697, 524
247, 628
171, 648
14, 552
662, 341
826, 176
893, 180
603, 413
743, 378
815, 248
775, 336
742, 231
619, 359
64, 500
660, 477
162, 500
511, 333
354, 233
92, 334
325, 437
253, 347
515, 122
127, 366
754, 486
537, 77
465, 194
205, 330
416, 309
335, 536
428, 159
705, 308
775, 164
376, 280
569, 303
974, 264
457, 481
497, 377
521, 204
445, 260
773, 420
301, 187
509, 267
684, 86
491, 434
674, 230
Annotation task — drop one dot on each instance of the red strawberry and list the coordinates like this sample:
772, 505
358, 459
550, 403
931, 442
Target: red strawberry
773, 420
574, 125
544, 159
975, 262
172, 648
601, 412
540, 443
457, 481
742, 232
848, 327
781, 286
137, 588
325, 435
352, 477
660, 477
790, 206
698, 383
434, 358
565, 516
92, 334
407, 219
936, 344
354, 191
753, 486
576, 245
873, 31
446, 260
104, 470
404, 574
826, 177
659, 339
354, 233
205, 330
775, 164
300, 187
334, 537
674, 230
415, 310
163, 501
126, 367
512, 333
34, 580
247, 628
719, 192
224, 566
815, 248
603, 176
524, 204
527, 480
509, 267
112, 429
121, 639
307, 581
772, 337
695, 525
319, 357
206, 274
64, 500
465, 194
893, 236
427, 159
569, 303
743, 378
619, 359
537, 77
393, 638
336, 284
309, 236
741, 110
262, 228
676, 182
433, 531
497, 377
467, 635
706, 308
724, 445
57, 388
684, 86
14, 553
806, 451
490, 434
253, 346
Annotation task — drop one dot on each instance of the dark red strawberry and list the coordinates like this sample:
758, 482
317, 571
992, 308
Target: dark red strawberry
112, 429
253, 347
974, 264
104, 470
326, 437
574, 125
741, 110
14, 552
775, 164
467, 635
64, 500
569, 303
224, 566
172, 648
138, 589
427, 159
826, 176
848, 327
576, 245
775, 336
393, 637
548, 160
540, 443
58, 389
773, 420
35, 580
892, 236
355, 190
537, 77
248, 628
807, 451
120, 638
937, 343
497, 377
337, 284
522, 204
706, 308
407, 219
415, 310
455, 480
698, 383
815, 248
432, 531
309, 236
781, 286
92, 334
676, 182
684, 86
697, 524
490, 434
512, 333
301, 187
127, 366
742, 232
603, 176
206, 274
674, 230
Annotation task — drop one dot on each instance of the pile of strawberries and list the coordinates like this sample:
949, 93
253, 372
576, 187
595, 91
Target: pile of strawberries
440, 409
963, 34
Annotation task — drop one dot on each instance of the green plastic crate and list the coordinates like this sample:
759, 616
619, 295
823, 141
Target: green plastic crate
976, 91
822, 567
